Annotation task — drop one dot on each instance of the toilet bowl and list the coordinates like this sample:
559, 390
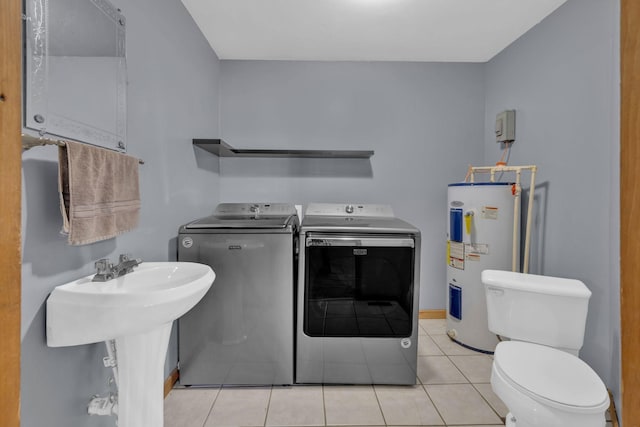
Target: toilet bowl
538, 374
547, 387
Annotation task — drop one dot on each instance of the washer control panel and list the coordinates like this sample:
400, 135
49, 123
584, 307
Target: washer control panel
252, 209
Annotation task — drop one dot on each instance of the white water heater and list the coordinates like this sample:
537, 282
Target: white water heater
480, 236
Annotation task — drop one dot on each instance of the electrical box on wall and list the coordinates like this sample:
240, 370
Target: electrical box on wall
506, 126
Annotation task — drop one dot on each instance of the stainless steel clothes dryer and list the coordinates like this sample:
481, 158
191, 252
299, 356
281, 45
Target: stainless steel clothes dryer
241, 332
357, 299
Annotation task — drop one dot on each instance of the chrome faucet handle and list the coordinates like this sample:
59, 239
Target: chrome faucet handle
126, 264
104, 271
103, 266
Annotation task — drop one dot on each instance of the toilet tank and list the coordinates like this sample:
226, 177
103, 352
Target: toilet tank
545, 310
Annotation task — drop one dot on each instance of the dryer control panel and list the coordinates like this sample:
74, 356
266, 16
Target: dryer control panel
338, 209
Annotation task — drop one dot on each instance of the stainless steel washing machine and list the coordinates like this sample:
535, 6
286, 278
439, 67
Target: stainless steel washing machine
241, 332
357, 299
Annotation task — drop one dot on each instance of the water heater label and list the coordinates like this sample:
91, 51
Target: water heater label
456, 255
477, 248
489, 212
473, 257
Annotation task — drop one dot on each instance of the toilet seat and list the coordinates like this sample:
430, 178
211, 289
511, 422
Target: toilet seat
551, 377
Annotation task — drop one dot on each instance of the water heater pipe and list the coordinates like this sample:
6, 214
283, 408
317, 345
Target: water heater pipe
527, 235
516, 205
516, 212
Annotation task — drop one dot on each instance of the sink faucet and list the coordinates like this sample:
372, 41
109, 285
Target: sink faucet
105, 270
126, 265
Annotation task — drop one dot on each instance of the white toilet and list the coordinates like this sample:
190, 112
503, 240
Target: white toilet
537, 374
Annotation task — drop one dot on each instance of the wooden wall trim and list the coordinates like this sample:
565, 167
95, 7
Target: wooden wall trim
433, 314
10, 216
170, 381
630, 209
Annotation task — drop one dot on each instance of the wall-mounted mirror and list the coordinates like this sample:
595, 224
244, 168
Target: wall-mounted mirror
75, 71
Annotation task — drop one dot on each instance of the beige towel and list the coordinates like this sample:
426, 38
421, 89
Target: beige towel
99, 192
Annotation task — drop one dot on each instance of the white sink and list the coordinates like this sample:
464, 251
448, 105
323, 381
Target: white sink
155, 293
136, 311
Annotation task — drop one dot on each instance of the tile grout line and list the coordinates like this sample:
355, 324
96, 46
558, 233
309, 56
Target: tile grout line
460, 370
448, 356
488, 403
379, 405
211, 407
432, 402
266, 413
424, 386
470, 382
324, 407
444, 353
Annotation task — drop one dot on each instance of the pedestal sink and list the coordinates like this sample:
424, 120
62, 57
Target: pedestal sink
137, 311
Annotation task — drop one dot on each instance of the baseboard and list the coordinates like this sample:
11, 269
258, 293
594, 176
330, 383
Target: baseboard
170, 381
612, 410
433, 314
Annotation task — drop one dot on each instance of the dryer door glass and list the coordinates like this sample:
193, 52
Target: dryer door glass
358, 287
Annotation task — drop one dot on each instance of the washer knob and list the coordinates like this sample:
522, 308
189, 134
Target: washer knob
348, 209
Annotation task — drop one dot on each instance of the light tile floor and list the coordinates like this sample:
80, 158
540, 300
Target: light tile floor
453, 390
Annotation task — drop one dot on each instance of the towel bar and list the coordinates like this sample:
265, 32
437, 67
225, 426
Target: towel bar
29, 141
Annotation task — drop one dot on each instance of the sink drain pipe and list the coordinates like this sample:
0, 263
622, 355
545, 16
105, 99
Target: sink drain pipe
107, 405
111, 361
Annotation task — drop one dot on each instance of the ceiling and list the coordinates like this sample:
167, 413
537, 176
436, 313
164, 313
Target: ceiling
365, 30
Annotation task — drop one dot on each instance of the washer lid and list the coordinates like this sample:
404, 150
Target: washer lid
248, 215
549, 374
213, 221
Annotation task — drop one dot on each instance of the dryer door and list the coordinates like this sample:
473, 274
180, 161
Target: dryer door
358, 286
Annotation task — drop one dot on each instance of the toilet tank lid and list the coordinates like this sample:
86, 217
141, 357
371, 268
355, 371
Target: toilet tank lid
534, 283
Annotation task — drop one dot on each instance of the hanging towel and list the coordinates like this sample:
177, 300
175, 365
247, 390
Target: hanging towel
99, 192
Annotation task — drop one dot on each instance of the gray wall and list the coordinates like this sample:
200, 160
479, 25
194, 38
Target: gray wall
424, 121
562, 77
172, 97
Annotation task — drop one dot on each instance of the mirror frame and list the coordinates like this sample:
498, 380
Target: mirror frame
37, 116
